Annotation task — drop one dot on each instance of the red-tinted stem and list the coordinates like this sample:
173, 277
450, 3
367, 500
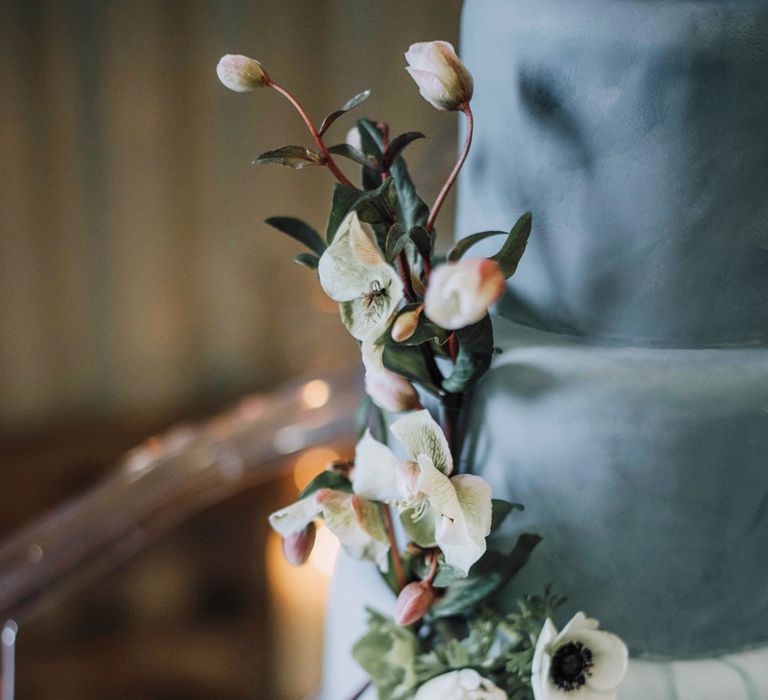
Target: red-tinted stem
456, 169
432, 570
327, 159
396, 561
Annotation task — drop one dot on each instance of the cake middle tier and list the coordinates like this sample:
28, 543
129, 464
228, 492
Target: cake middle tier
645, 470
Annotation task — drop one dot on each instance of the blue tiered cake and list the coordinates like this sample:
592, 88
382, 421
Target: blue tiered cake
629, 408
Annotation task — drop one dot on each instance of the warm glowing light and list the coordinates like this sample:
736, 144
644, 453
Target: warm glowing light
325, 551
310, 463
315, 393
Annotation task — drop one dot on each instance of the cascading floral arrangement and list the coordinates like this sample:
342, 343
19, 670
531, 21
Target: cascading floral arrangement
422, 322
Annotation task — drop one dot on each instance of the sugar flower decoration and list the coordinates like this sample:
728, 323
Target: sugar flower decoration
453, 513
354, 273
579, 663
466, 684
442, 78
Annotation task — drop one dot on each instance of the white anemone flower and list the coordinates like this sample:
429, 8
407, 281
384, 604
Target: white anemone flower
466, 684
580, 663
358, 523
354, 273
453, 513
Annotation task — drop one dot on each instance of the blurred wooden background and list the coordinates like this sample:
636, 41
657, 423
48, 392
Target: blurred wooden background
139, 286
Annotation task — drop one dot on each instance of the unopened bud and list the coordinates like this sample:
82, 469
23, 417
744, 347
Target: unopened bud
414, 602
241, 74
442, 78
405, 324
298, 546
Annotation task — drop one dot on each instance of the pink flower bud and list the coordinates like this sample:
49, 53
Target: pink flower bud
391, 392
241, 74
298, 546
405, 324
460, 293
413, 603
442, 78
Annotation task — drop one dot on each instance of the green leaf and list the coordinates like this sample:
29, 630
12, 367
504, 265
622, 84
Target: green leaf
514, 247
292, 156
347, 151
465, 244
349, 104
299, 231
397, 237
411, 209
307, 260
474, 357
344, 200
397, 144
422, 240
500, 510
487, 577
425, 330
378, 206
371, 139
409, 362
327, 480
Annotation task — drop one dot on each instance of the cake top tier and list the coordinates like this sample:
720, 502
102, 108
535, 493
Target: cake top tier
637, 133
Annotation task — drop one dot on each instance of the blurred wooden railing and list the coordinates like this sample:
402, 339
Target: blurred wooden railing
158, 485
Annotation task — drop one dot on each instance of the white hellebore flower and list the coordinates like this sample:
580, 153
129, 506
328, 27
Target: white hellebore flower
442, 78
353, 272
579, 663
241, 74
357, 523
460, 293
466, 684
453, 513
387, 389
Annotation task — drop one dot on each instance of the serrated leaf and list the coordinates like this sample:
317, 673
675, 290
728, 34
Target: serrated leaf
465, 244
397, 237
409, 362
397, 144
299, 231
487, 577
500, 510
349, 104
474, 356
347, 151
514, 247
307, 260
296, 157
344, 200
327, 480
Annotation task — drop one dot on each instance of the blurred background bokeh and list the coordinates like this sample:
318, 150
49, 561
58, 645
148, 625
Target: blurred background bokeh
140, 288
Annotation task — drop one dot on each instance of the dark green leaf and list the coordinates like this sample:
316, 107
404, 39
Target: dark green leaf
327, 480
487, 577
299, 231
411, 210
514, 247
474, 357
466, 243
349, 104
396, 239
378, 206
347, 151
409, 362
307, 260
344, 200
371, 140
422, 240
500, 511
293, 156
397, 144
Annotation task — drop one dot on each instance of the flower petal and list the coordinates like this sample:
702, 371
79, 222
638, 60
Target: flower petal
421, 435
374, 474
610, 663
295, 517
343, 276
358, 524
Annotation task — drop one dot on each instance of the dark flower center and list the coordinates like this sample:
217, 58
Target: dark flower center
571, 665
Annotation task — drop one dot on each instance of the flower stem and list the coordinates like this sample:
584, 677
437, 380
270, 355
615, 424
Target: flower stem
456, 169
432, 570
396, 560
359, 694
327, 159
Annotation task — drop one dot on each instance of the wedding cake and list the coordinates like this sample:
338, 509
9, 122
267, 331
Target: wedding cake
628, 409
